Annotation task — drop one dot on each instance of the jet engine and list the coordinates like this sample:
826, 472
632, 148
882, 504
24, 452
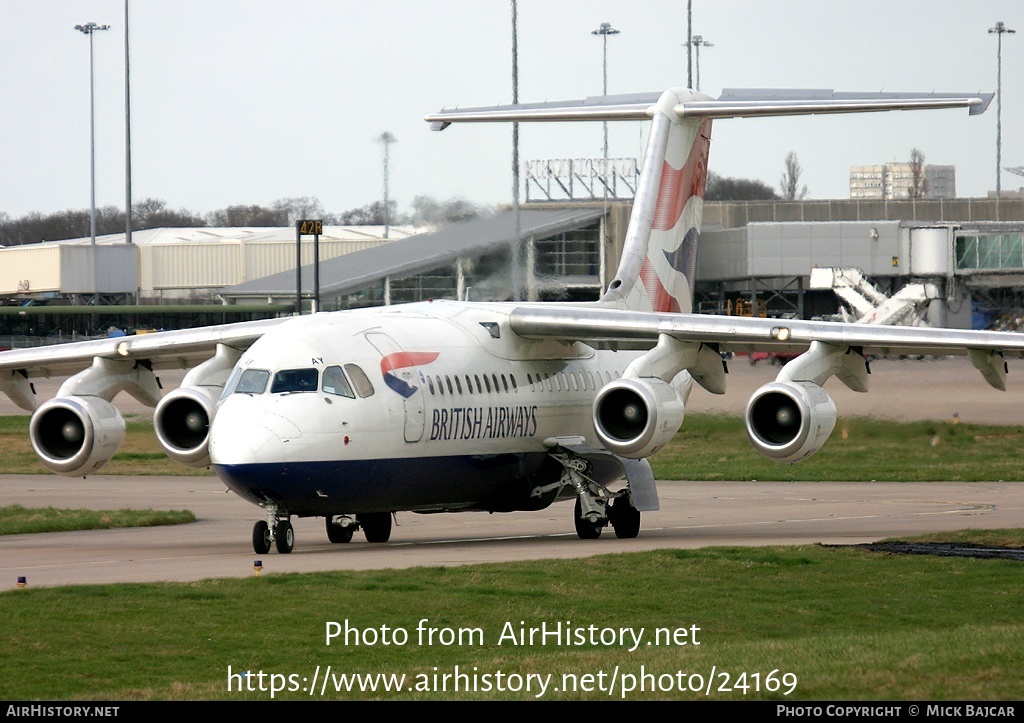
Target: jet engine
75, 436
636, 417
789, 421
182, 424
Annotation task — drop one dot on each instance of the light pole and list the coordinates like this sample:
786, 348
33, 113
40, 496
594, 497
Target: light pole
386, 139
127, 136
698, 41
517, 251
999, 29
604, 31
689, 43
90, 29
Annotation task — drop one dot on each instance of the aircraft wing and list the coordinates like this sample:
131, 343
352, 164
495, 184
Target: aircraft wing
987, 349
162, 350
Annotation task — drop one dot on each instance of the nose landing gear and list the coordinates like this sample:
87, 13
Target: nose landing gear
276, 530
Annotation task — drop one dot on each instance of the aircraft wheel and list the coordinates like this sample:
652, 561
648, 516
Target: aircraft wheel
625, 518
261, 537
585, 529
337, 533
376, 526
285, 539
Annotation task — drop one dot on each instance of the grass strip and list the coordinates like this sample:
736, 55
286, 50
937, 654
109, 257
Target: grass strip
847, 623
18, 520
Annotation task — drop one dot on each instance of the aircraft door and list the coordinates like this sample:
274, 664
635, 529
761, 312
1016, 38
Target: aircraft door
401, 376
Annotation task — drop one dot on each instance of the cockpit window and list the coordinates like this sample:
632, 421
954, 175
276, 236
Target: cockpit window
359, 380
335, 382
229, 387
294, 380
252, 381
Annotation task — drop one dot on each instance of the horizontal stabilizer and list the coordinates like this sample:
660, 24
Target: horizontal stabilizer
733, 103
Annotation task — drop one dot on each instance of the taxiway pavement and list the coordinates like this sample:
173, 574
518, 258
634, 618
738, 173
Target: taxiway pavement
692, 515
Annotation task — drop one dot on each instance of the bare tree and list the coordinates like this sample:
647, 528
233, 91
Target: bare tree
790, 181
726, 188
428, 210
254, 215
299, 207
918, 183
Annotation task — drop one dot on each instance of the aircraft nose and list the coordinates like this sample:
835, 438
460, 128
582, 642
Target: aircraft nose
238, 436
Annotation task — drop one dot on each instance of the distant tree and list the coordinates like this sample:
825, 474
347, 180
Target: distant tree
790, 181
428, 210
154, 213
248, 216
300, 207
35, 227
372, 214
722, 188
918, 183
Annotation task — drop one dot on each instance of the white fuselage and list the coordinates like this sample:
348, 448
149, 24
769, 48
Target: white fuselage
430, 406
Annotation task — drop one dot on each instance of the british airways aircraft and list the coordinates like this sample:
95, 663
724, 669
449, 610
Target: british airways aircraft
451, 406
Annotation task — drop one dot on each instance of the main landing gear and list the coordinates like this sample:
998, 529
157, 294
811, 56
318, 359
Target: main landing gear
277, 531
376, 527
596, 505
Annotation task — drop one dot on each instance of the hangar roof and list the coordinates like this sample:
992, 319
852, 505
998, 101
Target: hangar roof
210, 234
405, 257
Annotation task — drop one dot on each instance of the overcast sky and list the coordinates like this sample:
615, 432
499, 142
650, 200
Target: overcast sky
250, 101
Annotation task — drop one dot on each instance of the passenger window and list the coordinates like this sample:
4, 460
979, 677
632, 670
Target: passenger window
252, 381
359, 380
458, 385
487, 383
440, 386
469, 385
494, 378
430, 383
504, 382
335, 382
479, 389
512, 378
294, 380
451, 389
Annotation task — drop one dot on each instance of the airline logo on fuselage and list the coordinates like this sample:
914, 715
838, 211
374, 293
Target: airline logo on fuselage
484, 422
403, 360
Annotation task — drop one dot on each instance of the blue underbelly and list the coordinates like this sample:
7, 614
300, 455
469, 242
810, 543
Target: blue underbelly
377, 485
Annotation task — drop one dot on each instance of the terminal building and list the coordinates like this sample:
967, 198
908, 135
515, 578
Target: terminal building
755, 258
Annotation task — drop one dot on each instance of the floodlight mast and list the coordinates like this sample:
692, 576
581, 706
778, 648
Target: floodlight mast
999, 30
386, 139
698, 41
90, 29
604, 31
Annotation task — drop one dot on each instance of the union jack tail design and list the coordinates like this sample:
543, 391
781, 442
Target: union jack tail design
660, 254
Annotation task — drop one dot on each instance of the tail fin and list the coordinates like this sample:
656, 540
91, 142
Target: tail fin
659, 258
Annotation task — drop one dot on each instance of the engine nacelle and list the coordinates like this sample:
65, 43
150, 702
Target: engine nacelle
75, 436
789, 421
636, 417
182, 424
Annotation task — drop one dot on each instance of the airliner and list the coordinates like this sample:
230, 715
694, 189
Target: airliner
455, 406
